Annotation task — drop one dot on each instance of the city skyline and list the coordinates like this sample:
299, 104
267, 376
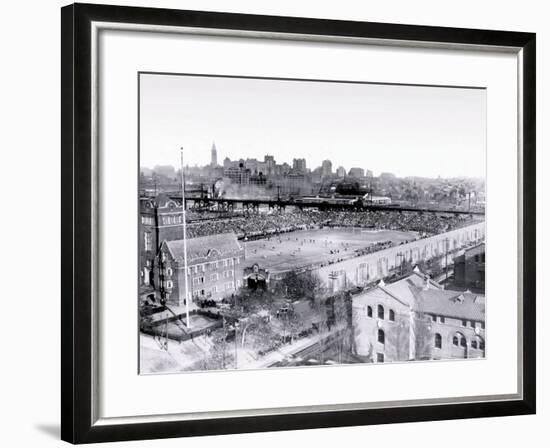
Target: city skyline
309, 168
298, 120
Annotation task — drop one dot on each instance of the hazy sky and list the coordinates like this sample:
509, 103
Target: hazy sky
407, 130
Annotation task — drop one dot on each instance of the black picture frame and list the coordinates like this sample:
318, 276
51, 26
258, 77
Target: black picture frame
77, 424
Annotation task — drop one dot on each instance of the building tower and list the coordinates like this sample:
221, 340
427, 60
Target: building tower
299, 165
214, 156
327, 168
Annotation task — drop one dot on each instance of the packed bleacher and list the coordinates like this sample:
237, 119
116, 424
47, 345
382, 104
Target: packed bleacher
262, 224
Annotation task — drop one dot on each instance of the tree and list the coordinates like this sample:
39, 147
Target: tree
399, 337
145, 319
253, 311
422, 337
343, 319
219, 356
293, 325
259, 335
370, 355
321, 324
296, 286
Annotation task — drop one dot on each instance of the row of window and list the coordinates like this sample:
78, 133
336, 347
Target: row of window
380, 312
464, 323
172, 219
213, 265
476, 343
148, 241
198, 281
459, 340
472, 324
166, 220
147, 220
213, 290
213, 277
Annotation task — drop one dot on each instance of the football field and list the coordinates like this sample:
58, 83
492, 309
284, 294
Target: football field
303, 248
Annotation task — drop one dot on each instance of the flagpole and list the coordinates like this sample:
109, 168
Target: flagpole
184, 242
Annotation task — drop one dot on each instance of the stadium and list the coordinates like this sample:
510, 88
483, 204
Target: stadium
304, 248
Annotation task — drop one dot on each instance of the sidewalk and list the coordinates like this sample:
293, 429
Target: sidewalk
178, 357
288, 350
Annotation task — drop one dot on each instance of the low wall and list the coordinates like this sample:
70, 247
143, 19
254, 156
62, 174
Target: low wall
371, 267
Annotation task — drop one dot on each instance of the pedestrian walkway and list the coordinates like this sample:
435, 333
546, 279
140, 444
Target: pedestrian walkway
286, 351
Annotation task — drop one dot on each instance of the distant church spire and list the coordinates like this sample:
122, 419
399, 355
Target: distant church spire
214, 155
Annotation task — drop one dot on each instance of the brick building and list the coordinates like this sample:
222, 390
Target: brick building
469, 268
160, 220
238, 175
214, 268
415, 318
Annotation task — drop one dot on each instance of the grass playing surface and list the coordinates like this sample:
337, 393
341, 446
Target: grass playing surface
306, 247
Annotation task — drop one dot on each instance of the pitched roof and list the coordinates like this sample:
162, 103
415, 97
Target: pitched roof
461, 305
377, 292
205, 247
411, 291
404, 288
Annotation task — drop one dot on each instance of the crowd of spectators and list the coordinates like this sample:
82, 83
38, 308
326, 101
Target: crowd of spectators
263, 224
254, 225
424, 223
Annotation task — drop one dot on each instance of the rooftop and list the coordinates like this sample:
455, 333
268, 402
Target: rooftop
205, 247
422, 294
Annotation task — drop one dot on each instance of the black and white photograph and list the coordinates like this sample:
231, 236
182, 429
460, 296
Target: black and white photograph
301, 223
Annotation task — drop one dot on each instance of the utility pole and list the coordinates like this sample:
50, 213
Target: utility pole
446, 259
184, 225
236, 326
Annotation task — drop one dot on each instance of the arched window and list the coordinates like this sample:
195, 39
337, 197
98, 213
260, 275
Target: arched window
392, 315
381, 337
459, 339
380, 312
478, 343
369, 311
437, 340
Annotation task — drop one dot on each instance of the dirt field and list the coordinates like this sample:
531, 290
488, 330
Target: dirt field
306, 247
